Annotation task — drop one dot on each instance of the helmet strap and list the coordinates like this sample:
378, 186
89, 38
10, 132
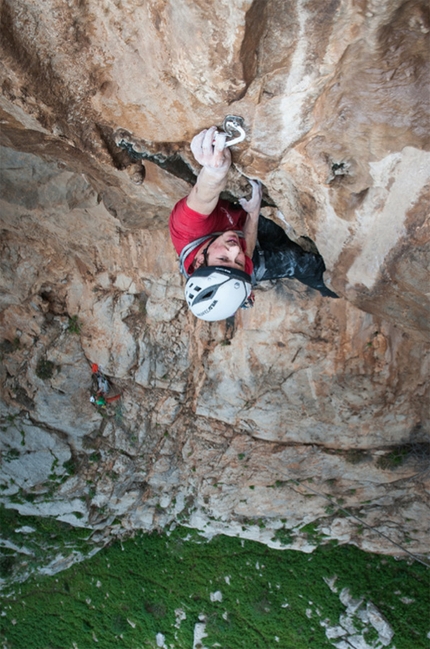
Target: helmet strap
205, 251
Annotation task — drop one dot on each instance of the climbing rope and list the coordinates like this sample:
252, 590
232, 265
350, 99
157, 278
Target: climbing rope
348, 513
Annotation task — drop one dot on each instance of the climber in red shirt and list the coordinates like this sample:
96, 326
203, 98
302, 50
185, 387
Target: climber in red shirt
217, 240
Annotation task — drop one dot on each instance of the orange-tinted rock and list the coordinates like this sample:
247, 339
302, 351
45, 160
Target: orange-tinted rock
99, 102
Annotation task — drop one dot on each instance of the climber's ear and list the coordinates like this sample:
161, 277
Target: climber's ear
199, 261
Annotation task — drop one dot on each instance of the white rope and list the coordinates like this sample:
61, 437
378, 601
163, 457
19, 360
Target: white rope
332, 501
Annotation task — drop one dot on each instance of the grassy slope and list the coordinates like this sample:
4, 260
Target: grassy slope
142, 581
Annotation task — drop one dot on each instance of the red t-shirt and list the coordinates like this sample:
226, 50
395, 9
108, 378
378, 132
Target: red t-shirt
186, 225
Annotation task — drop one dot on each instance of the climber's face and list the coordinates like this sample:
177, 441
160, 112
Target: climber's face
225, 250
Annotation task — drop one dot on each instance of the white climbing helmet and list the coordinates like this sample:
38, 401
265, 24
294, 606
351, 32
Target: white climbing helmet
217, 292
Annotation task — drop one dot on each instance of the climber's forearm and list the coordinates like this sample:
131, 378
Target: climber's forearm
250, 230
205, 194
208, 148
252, 207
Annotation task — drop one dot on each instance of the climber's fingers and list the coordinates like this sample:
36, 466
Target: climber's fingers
219, 140
208, 148
197, 144
257, 189
253, 204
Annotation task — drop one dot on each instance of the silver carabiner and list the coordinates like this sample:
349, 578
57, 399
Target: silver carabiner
233, 126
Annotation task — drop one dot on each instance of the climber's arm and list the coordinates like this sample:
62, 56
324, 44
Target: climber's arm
211, 153
252, 206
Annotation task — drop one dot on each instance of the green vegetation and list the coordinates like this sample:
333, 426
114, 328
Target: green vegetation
284, 536
416, 452
312, 533
70, 466
36, 549
395, 458
356, 455
74, 326
45, 369
11, 454
131, 591
8, 347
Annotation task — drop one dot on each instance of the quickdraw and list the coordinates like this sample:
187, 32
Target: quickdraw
233, 125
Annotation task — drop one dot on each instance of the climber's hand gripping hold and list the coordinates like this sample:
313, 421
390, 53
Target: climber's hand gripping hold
208, 148
210, 152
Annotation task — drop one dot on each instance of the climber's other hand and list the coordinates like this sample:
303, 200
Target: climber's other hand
252, 206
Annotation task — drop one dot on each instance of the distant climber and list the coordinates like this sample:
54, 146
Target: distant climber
225, 249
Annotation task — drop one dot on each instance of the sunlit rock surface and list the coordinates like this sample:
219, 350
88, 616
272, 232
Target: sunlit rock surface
302, 408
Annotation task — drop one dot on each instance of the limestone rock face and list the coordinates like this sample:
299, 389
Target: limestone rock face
304, 409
